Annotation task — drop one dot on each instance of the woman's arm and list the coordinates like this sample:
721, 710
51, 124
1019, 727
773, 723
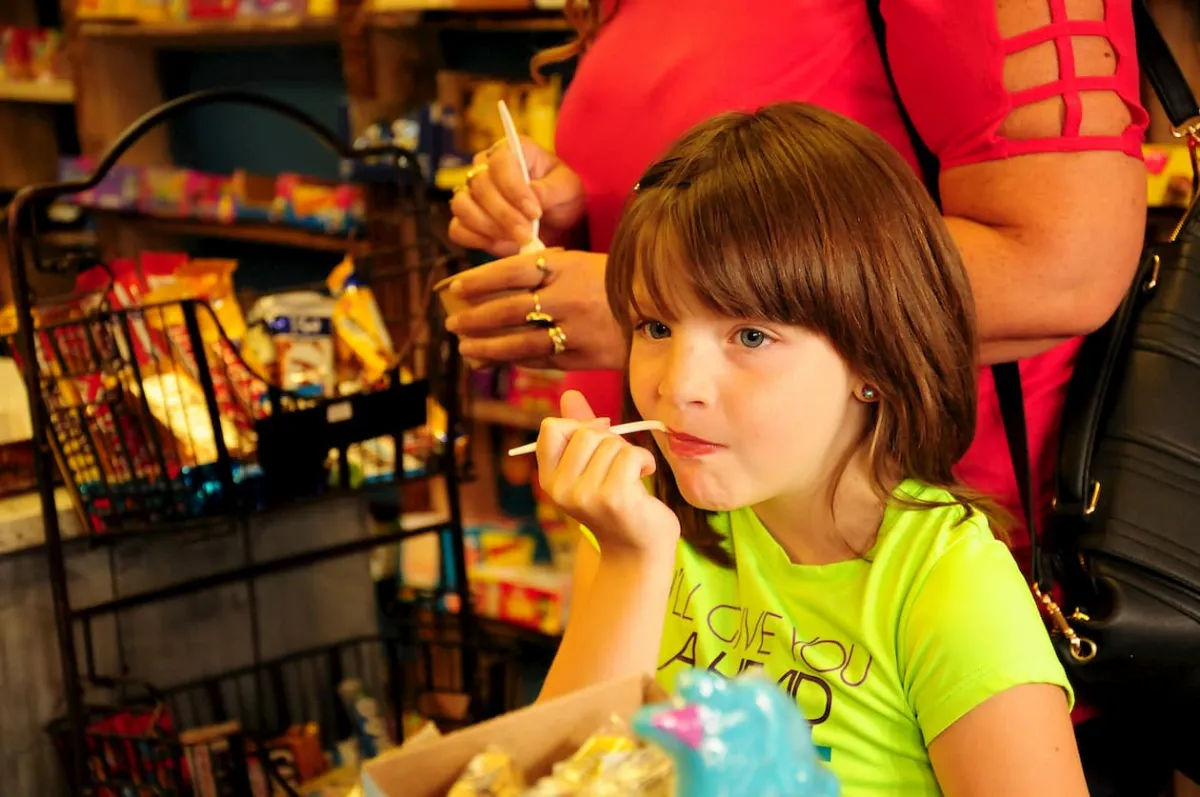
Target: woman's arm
1050, 241
618, 607
1041, 185
1016, 743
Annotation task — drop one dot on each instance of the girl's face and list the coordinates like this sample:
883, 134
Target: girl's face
755, 411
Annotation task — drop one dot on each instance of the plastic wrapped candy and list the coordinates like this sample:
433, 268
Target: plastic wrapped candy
644, 772
736, 737
603, 750
491, 773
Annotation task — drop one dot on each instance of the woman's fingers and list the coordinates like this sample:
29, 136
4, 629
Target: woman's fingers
470, 216
493, 315
523, 346
505, 171
519, 272
487, 196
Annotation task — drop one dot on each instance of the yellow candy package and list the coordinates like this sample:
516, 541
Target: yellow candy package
491, 773
602, 751
212, 280
358, 323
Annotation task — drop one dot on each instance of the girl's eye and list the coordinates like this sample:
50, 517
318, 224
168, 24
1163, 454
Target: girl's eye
655, 330
752, 338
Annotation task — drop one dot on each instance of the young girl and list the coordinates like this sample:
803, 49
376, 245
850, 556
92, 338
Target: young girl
800, 321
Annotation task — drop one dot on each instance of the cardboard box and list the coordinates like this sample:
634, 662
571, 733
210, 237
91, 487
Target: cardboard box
536, 737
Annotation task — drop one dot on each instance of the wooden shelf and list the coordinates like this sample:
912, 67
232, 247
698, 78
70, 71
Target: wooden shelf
502, 413
379, 7
517, 18
292, 30
55, 92
271, 234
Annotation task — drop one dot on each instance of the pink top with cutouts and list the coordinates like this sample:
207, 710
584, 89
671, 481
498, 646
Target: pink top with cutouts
977, 78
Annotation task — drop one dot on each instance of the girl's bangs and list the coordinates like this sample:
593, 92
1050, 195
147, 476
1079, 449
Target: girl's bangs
684, 251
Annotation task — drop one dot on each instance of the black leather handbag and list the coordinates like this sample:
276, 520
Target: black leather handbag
1121, 553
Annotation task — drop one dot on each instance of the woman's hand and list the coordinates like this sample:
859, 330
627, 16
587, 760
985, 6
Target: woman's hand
569, 286
494, 209
596, 477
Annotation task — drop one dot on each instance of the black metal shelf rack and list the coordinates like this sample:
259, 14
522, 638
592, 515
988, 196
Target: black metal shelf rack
87, 400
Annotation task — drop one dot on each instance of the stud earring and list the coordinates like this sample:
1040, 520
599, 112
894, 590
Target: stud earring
868, 393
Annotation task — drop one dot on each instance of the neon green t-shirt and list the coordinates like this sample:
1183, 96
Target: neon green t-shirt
882, 653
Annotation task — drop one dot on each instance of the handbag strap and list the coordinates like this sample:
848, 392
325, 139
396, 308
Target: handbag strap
926, 160
1162, 70
1007, 377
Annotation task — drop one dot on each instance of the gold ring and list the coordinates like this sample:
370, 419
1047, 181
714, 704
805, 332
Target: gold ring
544, 269
558, 338
475, 171
536, 316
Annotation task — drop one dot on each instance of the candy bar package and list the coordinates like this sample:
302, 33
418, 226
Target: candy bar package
289, 341
491, 773
611, 762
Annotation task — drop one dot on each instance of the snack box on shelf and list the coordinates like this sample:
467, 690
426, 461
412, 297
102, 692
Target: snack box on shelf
536, 390
533, 597
1168, 174
120, 189
317, 205
31, 54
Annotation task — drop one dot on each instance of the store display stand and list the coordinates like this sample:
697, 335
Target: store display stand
400, 246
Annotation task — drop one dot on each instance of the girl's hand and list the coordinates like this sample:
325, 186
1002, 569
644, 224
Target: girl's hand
494, 209
596, 477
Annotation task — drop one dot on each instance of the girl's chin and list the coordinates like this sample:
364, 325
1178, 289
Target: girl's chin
708, 497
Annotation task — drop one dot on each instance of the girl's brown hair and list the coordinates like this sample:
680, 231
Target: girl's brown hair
797, 215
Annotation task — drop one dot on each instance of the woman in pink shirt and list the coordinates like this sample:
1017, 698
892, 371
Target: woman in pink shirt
1030, 107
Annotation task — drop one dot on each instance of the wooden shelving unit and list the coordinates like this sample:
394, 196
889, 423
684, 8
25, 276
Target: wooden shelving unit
517, 19
269, 32
57, 92
272, 234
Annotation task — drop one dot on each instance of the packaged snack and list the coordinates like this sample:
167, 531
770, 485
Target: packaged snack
603, 750
492, 773
212, 9
369, 725
358, 323
159, 268
15, 52
289, 341
210, 196
318, 205
209, 758
644, 772
211, 279
164, 192
177, 404
339, 782
150, 10
47, 60
252, 195
120, 189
